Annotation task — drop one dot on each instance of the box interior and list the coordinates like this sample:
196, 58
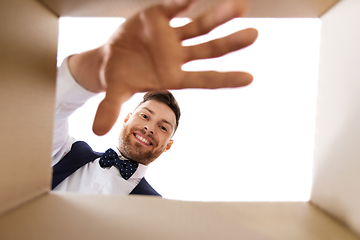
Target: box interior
28, 45
138, 217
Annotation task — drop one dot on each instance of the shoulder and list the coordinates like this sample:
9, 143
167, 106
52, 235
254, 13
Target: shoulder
144, 188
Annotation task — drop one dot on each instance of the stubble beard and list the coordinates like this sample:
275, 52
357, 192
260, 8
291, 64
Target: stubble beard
135, 151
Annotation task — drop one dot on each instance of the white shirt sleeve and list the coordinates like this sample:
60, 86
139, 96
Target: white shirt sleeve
69, 97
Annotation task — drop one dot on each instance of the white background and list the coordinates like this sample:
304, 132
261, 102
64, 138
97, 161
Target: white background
247, 144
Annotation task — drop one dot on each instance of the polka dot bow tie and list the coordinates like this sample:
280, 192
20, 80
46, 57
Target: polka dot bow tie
126, 167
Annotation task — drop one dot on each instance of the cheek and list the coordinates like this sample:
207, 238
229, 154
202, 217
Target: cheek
164, 141
129, 126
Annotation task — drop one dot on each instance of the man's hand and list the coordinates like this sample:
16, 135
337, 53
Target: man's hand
146, 54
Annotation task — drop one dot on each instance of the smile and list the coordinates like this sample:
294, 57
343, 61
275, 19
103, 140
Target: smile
142, 139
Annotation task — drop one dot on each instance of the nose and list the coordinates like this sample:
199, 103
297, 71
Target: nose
147, 129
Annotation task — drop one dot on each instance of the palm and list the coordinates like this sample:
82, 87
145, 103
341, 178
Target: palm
149, 57
146, 54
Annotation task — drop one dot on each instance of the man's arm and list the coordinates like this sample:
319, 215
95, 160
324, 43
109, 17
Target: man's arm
85, 68
69, 97
146, 54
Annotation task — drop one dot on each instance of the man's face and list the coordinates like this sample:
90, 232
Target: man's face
147, 132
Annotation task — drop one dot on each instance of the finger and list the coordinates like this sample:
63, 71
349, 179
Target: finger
173, 7
221, 46
213, 18
108, 112
213, 80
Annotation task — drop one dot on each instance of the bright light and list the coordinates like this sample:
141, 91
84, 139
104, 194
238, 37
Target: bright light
246, 144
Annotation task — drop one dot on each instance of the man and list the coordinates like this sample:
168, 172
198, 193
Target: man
145, 135
144, 54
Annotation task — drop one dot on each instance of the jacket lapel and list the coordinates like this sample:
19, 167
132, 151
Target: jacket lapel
144, 188
80, 154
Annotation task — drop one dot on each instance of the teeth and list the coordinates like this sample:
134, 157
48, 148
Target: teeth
142, 139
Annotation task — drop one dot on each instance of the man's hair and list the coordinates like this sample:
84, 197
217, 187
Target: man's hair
164, 97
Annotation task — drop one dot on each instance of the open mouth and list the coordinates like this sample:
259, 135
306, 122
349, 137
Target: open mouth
142, 140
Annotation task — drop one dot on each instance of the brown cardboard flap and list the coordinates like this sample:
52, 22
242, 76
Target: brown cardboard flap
257, 8
27, 82
336, 178
71, 216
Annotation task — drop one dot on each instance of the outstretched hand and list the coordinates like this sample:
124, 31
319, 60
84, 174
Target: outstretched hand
146, 54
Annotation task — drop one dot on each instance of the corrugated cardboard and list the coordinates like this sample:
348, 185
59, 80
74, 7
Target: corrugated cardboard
28, 68
125, 8
29, 211
336, 182
72, 216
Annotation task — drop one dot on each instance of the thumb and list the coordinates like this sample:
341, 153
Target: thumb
107, 113
105, 118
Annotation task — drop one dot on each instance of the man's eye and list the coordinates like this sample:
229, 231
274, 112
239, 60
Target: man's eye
163, 128
144, 116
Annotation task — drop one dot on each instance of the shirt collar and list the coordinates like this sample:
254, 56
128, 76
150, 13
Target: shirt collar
140, 171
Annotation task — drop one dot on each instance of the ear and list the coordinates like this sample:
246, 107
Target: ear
127, 117
168, 146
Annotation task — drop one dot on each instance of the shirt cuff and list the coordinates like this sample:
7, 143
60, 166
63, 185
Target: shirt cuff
67, 89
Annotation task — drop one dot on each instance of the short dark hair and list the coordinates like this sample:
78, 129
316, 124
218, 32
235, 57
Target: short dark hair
167, 98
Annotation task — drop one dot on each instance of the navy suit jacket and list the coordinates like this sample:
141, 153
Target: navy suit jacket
81, 154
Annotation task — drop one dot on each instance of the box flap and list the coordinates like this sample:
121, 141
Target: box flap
336, 178
72, 216
27, 83
124, 8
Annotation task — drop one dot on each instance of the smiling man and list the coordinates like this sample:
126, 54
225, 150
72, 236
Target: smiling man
145, 135
145, 54
147, 132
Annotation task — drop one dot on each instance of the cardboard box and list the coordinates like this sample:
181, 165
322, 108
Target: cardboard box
29, 210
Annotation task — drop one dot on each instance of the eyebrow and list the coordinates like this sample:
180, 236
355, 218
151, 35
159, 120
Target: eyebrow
163, 120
